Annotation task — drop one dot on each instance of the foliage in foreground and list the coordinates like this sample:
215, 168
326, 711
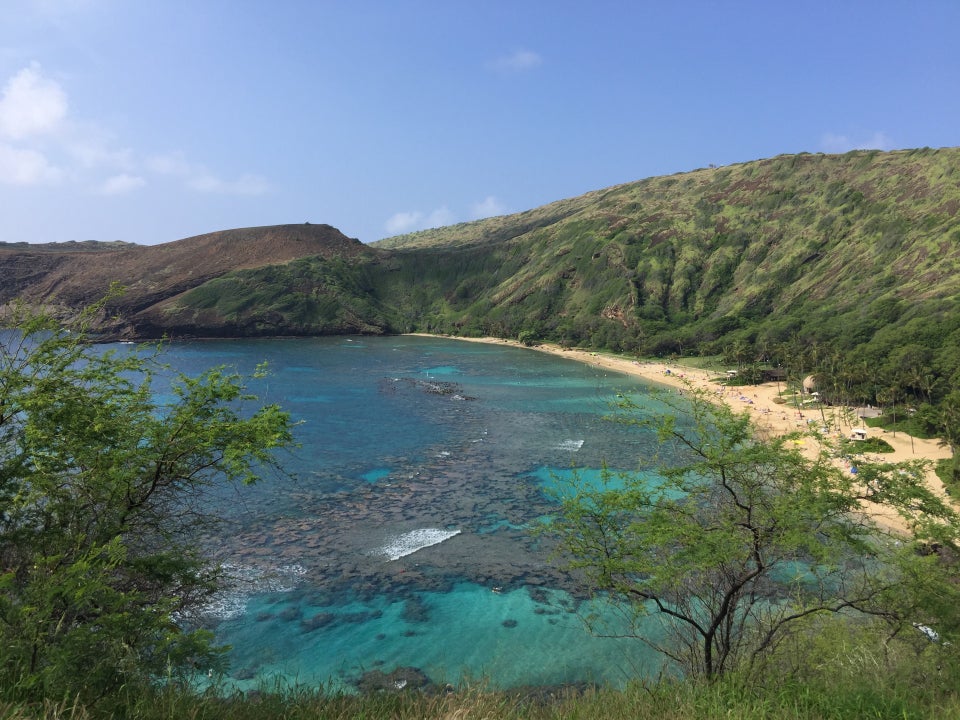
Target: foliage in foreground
837, 675
95, 477
741, 543
101, 486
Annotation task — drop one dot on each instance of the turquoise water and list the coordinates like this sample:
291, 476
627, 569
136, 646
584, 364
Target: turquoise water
465, 632
403, 537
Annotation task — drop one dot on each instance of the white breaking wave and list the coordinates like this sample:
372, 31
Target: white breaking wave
570, 445
410, 542
244, 581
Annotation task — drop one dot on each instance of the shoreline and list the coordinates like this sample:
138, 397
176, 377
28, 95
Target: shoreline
771, 419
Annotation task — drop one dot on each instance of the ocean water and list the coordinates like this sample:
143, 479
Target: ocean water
402, 537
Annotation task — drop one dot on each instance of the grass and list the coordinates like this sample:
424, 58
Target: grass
904, 423
846, 697
873, 445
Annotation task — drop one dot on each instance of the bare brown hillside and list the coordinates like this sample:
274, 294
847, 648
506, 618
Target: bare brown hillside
70, 275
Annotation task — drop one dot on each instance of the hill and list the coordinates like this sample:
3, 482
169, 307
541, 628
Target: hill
844, 266
853, 249
67, 276
857, 239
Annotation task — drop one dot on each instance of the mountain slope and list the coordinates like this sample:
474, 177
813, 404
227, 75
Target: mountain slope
839, 248
775, 244
70, 275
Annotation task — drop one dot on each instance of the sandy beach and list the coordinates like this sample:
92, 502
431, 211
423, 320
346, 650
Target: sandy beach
769, 417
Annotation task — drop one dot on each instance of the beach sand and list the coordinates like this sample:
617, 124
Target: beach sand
769, 417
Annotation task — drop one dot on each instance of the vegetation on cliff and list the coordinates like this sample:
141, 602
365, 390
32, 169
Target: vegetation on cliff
856, 251
832, 249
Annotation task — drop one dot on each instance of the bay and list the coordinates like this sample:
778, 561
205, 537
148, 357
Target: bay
402, 537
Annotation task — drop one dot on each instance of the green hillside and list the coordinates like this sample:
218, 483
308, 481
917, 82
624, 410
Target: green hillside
834, 249
842, 266
837, 245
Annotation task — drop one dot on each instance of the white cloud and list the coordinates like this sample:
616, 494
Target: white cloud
21, 166
440, 217
41, 144
833, 143
246, 184
518, 61
31, 105
488, 207
94, 148
199, 178
412, 220
403, 222
204, 182
170, 164
121, 184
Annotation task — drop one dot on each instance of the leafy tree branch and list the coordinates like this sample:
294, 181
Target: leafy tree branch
738, 539
101, 491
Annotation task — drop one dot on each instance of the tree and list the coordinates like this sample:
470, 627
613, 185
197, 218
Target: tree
739, 352
742, 539
101, 487
890, 396
949, 426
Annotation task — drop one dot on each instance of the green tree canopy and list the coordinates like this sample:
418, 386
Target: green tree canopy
742, 538
101, 486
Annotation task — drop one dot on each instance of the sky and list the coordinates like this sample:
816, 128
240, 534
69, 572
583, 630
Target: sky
148, 121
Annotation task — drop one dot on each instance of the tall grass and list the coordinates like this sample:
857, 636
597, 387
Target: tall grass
847, 699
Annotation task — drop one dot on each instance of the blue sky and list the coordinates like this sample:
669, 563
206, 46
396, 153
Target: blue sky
153, 120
